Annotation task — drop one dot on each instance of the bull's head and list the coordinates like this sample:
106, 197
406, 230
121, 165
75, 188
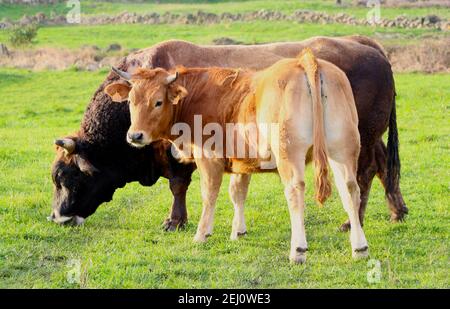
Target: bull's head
152, 95
79, 186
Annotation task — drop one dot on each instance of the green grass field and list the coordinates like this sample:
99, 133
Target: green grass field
140, 36
123, 245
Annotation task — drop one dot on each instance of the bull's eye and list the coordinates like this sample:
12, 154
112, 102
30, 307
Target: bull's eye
158, 103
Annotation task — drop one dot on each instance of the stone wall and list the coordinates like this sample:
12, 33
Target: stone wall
200, 18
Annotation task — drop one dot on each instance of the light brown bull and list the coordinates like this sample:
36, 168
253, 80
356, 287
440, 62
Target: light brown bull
309, 100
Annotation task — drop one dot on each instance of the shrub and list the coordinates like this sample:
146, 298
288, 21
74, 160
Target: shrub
22, 35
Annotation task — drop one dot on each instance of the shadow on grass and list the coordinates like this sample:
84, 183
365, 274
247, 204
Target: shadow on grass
12, 78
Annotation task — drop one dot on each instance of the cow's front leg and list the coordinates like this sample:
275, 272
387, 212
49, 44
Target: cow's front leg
178, 214
211, 173
238, 193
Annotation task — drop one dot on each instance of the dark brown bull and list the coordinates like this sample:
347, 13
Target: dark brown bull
362, 59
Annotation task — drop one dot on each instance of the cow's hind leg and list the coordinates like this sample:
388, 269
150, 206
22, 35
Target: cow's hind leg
211, 172
372, 161
394, 197
238, 192
367, 168
292, 174
345, 179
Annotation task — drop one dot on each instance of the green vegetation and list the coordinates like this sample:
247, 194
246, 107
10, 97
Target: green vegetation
22, 35
123, 245
140, 36
90, 7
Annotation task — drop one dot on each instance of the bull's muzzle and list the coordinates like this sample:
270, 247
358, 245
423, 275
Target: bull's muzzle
65, 220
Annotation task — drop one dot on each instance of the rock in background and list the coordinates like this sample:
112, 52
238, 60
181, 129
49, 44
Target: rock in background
204, 18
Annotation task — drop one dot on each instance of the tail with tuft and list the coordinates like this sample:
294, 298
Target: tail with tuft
308, 62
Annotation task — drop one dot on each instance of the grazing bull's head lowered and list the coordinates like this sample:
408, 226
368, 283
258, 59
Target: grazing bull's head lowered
152, 94
92, 164
79, 186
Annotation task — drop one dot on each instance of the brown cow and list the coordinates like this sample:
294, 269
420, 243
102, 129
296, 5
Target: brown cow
281, 95
367, 69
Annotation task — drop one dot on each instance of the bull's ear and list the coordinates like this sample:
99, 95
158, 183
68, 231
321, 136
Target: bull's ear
85, 166
118, 91
176, 93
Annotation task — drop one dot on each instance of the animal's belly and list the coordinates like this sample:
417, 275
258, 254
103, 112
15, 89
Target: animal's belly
249, 166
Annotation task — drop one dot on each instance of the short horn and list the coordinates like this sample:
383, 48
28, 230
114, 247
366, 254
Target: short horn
67, 143
171, 78
124, 75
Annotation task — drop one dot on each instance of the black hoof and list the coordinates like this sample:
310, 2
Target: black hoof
361, 253
345, 227
170, 225
362, 249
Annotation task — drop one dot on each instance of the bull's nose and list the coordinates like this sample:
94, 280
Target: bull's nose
135, 137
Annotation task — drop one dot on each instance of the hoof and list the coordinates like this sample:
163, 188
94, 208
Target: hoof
400, 216
201, 238
360, 253
299, 256
170, 225
236, 236
345, 227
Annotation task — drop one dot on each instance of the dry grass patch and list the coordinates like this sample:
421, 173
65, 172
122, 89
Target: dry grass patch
51, 58
429, 56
